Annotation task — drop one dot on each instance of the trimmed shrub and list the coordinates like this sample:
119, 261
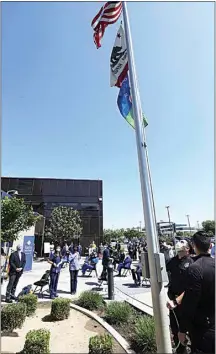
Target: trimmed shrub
101, 344
31, 303
90, 300
12, 316
143, 339
118, 313
60, 309
37, 342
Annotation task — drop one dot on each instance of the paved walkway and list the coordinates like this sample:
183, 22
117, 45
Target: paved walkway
125, 288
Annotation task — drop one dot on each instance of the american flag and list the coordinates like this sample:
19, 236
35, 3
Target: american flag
108, 14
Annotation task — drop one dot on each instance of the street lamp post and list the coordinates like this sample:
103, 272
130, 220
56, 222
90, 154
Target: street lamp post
140, 223
188, 218
198, 225
171, 225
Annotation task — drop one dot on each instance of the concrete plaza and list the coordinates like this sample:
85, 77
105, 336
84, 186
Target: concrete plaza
122, 284
124, 287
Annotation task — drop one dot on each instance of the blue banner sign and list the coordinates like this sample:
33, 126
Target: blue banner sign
28, 249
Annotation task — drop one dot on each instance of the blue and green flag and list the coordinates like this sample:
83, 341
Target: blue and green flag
124, 102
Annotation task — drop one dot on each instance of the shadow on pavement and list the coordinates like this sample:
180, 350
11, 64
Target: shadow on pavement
98, 288
47, 318
132, 285
10, 334
91, 283
63, 292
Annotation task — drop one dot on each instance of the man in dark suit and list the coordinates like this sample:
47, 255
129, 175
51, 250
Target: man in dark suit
17, 263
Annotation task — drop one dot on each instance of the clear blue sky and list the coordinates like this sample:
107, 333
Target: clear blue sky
60, 117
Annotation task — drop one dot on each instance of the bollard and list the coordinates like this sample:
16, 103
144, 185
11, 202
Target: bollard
110, 282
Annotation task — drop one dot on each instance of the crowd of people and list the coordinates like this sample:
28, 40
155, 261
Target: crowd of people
191, 293
191, 289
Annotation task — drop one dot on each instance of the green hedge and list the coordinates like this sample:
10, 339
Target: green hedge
143, 339
90, 300
101, 344
37, 342
118, 313
31, 301
13, 316
60, 309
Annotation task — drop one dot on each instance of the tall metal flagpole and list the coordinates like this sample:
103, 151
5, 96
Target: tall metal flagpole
158, 294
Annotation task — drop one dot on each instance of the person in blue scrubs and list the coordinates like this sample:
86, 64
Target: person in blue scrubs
55, 260
74, 267
90, 263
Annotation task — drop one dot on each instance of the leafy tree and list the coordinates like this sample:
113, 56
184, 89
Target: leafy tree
133, 233
209, 226
16, 216
109, 234
64, 224
179, 233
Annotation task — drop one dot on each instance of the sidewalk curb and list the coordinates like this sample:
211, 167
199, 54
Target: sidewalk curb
123, 343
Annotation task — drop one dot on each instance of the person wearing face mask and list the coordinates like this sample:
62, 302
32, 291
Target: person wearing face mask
74, 267
198, 302
177, 269
56, 262
17, 263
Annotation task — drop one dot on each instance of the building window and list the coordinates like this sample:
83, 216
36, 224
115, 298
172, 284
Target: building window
88, 206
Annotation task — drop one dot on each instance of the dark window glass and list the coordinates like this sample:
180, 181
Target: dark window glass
62, 187
5, 184
85, 225
55, 205
37, 189
69, 188
94, 188
89, 206
94, 226
83, 188
100, 189
49, 187
91, 213
25, 186
78, 188
13, 184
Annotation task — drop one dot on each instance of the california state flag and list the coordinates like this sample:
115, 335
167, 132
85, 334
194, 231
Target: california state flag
118, 59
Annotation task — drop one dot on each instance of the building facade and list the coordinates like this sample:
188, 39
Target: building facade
44, 194
166, 229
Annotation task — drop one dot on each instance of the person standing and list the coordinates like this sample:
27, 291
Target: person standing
55, 260
198, 302
105, 262
71, 247
79, 248
177, 268
137, 273
100, 251
17, 263
74, 267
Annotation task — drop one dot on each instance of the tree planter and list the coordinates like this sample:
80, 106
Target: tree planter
67, 336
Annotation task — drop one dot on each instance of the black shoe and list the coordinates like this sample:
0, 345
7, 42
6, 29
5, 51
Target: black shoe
9, 301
